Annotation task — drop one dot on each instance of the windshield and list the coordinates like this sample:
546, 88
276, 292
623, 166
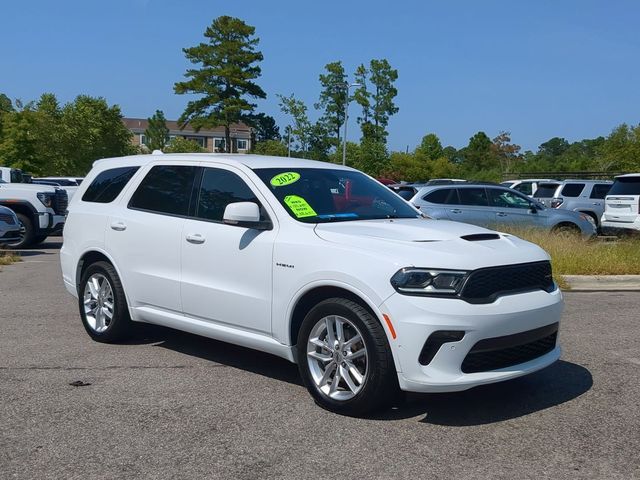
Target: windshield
320, 195
625, 186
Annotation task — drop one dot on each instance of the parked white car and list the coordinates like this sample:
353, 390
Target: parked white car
313, 262
622, 204
527, 186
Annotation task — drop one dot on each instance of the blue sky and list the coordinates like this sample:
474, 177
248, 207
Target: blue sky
536, 68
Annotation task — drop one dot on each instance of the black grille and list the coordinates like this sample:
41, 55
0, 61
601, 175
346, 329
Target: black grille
486, 284
502, 352
60, 202
6, 218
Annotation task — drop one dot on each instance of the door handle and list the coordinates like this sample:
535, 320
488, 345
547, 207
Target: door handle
456, 210
118, 226
195, 238
501, 214
596, 203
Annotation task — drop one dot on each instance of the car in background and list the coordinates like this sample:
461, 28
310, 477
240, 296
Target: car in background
444, 181
622, 204
405, 191
9, 226
527, 186
497, 207
585, 196
70, 184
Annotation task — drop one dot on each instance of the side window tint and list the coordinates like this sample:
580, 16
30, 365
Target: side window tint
600, 190
506, 199
443, 196
165, 189
108, 185
473, 196
218, 189
572, 189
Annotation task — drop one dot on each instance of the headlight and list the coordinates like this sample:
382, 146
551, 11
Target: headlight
428, 281
46, 198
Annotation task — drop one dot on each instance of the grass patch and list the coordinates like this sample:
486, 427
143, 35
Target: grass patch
576, 256
7, 258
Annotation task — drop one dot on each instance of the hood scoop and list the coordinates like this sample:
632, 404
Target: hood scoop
480, 237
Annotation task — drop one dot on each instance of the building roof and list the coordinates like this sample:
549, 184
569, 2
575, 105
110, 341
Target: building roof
236, 159
139, 125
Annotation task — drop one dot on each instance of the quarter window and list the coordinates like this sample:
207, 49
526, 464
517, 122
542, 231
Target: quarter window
108, 185
572, 189
443, 196
600, 190
165, 189
218, 189
473, 196
526, 188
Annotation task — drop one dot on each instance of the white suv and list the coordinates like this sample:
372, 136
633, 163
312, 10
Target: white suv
622, 204
313, 262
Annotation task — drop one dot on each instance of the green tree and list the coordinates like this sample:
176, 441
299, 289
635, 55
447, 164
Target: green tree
157, 133
6, 106
332, 98
478, 155
265, 127
361, 94
430, 148
505, 151
301, 129
228, 65
553, 148
271, 147
183, 145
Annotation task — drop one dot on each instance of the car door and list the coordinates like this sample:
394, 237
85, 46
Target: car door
145, 233
513, 209
227, 269
596, 198
473, 207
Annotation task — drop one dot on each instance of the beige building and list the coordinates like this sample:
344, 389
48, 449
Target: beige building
211, 139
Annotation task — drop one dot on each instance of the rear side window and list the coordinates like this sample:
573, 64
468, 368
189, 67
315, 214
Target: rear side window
600, 190
448, 196
572, 189
166, 189
108, 185
546, 190
476, 197
218, 189
626, 186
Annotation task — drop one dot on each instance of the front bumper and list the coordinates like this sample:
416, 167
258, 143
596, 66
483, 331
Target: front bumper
10, 235
50, 223
416, 318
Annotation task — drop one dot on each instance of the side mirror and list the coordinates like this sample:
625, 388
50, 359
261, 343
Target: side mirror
244, 214
533, 208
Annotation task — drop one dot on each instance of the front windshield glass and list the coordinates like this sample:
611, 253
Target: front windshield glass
319, 195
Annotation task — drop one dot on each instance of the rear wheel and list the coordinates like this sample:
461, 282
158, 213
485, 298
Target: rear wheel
344, 358
103, 305
567, 230
27, 234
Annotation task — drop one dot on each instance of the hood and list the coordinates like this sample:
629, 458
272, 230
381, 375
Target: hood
432, 243
27, 187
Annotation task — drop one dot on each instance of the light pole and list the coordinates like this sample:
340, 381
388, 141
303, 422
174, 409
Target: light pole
346, 120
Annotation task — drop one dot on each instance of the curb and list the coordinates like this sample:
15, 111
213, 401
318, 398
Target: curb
599, 283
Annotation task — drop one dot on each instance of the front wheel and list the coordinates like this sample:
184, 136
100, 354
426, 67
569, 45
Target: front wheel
27, 233
103, 305
344, 358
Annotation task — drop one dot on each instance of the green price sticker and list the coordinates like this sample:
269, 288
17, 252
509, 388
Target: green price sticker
285, 178
299, 206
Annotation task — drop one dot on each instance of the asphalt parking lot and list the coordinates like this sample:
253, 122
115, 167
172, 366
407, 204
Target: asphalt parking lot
173, 405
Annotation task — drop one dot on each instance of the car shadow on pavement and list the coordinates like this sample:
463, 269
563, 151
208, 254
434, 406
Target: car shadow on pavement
559, 383
219, 352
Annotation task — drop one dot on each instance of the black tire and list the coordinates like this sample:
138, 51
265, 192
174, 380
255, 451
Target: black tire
120, 325
27, 234
380, 386
567, 230
39, 239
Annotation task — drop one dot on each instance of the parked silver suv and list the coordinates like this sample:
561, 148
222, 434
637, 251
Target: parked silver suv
496, 207
585, 196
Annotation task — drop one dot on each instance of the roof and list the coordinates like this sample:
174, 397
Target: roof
628, 175
139, 125
237, 159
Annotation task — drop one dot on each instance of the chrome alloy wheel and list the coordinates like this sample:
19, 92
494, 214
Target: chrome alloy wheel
337, 357
98, 302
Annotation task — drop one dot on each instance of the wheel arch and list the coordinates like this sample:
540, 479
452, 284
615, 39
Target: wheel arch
97, 255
